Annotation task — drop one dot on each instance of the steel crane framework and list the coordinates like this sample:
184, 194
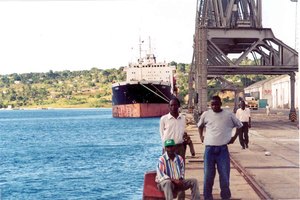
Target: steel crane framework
234, 27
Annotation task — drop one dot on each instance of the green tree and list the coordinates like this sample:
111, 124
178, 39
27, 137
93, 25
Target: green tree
17, 78
106, 73
5, 79
180, 68
120, 70
173, 63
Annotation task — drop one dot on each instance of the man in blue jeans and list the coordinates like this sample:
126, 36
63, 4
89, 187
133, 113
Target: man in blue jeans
219, 124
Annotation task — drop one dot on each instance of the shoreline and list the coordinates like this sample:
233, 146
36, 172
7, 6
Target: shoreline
53, 108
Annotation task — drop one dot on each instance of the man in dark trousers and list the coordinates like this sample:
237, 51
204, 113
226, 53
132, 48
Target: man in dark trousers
172, 126
170, 174
243, 114
219, 124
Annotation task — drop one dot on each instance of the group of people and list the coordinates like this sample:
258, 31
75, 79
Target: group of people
218, 124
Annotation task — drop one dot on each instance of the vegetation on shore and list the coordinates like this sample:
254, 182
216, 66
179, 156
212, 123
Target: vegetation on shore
65, 89
88, 88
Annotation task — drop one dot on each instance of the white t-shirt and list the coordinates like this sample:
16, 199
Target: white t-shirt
218, 126
171, 128
243, 115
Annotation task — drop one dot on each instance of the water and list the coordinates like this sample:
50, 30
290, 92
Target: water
75, 154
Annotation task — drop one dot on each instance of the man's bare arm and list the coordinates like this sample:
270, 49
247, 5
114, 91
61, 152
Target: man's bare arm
200, 129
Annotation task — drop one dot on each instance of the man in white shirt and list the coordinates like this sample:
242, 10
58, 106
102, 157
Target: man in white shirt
172, 126
268, 109
243, 114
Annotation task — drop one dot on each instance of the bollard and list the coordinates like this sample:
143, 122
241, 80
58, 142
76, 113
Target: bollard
150, 191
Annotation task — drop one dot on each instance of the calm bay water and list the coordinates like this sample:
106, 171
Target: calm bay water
75, 154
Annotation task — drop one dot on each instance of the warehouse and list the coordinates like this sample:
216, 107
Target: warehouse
276, 90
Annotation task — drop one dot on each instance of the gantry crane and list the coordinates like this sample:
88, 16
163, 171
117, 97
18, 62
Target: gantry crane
225, 27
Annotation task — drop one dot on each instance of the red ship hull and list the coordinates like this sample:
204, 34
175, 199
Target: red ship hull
138, 110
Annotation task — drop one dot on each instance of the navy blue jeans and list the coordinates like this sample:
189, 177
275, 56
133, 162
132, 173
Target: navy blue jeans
216, 155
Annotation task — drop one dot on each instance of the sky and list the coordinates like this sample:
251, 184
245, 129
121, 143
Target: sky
40, 35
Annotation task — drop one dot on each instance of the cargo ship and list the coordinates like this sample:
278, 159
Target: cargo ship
148, 88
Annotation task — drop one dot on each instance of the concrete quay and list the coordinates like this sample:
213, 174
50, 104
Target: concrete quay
272, 159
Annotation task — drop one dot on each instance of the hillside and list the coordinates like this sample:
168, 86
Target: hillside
78, 89
88, 88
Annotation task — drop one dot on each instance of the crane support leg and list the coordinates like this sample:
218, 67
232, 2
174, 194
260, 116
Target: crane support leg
293, 114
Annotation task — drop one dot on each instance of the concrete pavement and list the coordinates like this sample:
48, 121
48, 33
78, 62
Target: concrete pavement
277, 174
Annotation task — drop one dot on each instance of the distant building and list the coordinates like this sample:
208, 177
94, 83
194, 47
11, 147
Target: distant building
281, 94
277, 91
261, 90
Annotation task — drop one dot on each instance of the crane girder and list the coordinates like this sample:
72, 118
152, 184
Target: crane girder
226, 27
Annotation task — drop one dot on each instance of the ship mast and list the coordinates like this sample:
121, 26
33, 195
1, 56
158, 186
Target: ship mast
140, 61
150, 50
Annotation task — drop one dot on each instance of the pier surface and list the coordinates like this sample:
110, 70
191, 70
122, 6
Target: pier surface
271, 161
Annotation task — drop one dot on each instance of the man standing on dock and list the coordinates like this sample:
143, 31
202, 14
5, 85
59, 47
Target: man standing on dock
170, 174
243, 114
172, 126
219, 124
268, 109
